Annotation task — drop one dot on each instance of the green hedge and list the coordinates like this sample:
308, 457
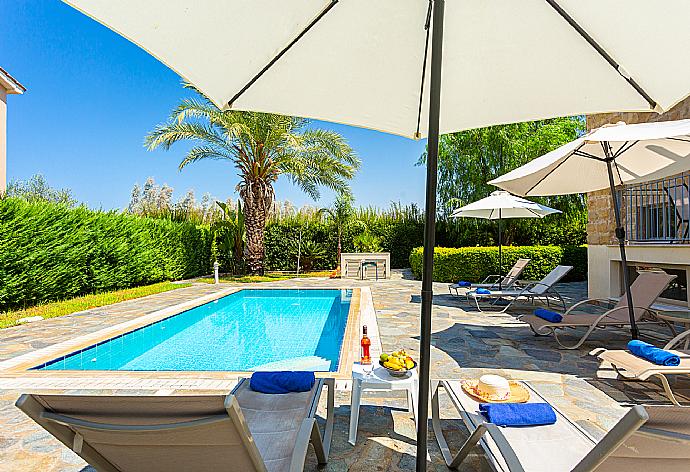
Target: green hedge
281, 237
475, 263
51, 252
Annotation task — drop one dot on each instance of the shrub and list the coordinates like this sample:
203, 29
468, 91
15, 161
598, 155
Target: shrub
52, 252
475, 263
367, 242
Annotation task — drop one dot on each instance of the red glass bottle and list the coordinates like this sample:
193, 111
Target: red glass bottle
366, 344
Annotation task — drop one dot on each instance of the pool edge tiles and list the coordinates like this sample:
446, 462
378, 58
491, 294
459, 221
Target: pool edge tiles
20, 364
252, 329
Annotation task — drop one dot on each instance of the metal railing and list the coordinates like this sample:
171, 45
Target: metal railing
658, 211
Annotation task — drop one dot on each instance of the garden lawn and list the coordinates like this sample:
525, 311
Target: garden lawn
268, 277
86, 302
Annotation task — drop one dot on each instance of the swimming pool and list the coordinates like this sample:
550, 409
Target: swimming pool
255, 329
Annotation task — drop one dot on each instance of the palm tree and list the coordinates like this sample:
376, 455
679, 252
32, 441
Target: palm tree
262, 146
340, 214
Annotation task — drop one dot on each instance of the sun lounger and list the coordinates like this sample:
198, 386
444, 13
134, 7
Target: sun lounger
646, 438
631, 367
645, 290
243, 431
494, 281
544, 289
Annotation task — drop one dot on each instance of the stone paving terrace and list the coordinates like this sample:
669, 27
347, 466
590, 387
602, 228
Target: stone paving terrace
466, 343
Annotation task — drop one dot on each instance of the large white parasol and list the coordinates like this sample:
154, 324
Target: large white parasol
606, 158
381, 64
499, 206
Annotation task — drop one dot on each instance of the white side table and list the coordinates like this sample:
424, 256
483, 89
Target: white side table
379, 379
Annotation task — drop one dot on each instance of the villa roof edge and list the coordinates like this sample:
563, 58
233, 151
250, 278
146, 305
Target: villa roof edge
12, 85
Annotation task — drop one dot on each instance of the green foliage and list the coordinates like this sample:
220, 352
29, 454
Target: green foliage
401, 229
262, 147
156, 201
576, 256
229, 238
469, 159
473, 264
52, 252
36, 189
367, 242
310, 253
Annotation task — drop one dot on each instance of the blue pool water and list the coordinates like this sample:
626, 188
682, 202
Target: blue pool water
247, 330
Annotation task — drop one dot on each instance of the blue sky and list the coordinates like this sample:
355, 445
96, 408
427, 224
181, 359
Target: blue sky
92, 96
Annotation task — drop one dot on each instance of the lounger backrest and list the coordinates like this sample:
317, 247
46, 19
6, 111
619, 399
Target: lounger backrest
645, 290
551, 279
149, 433
661, 443
513, 274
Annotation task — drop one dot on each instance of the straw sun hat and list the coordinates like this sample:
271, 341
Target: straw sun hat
495, 389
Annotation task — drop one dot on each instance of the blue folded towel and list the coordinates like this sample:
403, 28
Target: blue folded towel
462, 283
548, 315
518, 414
282, 382
482, 291
653, 354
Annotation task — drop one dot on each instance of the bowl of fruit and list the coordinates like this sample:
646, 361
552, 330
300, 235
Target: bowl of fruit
397, 363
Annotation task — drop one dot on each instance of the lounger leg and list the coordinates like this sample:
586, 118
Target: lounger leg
476, 302
319, 449
330, 419
562, 300
466, 448
579, 343
309, 433
540, 334
436, 424
505, 308
354, 410
305, 435
451, 461
667, 389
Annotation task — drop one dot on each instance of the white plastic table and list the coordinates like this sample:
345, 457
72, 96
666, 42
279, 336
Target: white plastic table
379, 379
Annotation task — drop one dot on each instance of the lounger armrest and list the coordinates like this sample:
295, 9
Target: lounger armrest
78, 423
677, 339
526, 289
625, 427
309, 430
625, 308
538, 284
593, 301
488, 278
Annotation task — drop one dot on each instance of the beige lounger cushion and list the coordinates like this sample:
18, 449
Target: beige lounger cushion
224, 444
635, 366
213, 446
644, 452
274, 421
549, 448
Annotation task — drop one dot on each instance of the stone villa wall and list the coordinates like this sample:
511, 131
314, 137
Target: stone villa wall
601, 221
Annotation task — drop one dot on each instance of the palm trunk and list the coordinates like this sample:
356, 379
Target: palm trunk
255, 215
337, 263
